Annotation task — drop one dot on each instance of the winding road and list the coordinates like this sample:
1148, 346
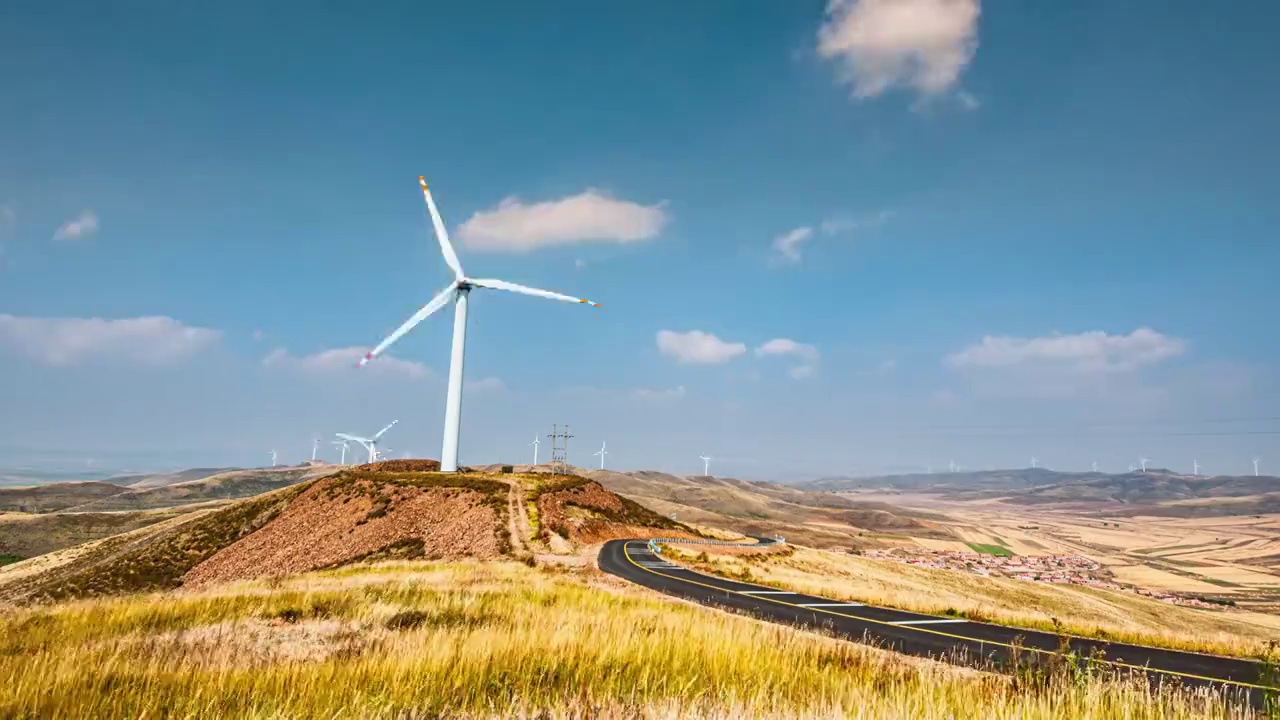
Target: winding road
946, 638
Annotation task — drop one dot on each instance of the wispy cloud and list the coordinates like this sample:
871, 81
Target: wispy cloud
697, 348
344, 360
62, 342
876, 45
81, 227
591, 216
807, 354
788, 247
675, 393
491, 385
1089, 351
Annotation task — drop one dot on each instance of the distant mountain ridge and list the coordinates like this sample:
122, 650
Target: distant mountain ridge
1039, 485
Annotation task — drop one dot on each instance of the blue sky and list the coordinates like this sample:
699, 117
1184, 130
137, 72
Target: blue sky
205, 212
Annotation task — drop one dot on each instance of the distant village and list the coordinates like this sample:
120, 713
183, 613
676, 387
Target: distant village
1063, 569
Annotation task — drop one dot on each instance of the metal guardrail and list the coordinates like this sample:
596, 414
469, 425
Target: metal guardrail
759, 542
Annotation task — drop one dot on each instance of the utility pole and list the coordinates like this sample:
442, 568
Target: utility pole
559, 448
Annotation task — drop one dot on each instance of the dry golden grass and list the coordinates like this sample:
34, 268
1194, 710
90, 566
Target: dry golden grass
411, 640
1089, 612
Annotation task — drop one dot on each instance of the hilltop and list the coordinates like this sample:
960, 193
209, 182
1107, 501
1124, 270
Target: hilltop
150, 480
392, 510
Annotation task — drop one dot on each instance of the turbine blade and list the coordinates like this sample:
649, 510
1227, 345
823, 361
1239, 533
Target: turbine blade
512, 287
436, 303
446, 248
352, 438
383, 430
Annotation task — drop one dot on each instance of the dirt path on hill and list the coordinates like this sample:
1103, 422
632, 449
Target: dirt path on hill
517, 520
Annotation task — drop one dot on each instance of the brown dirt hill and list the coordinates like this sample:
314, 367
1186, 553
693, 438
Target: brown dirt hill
227, 486
391, 510
583, 512
365, 513
55, 496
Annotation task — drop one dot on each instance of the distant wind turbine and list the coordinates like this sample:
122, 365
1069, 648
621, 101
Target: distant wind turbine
370, 444
706, 464
1195, 468
535, 449
273, 458
1255, 466
1132, 467
1034, 461
601, 452
315, 445
951, 466
457, 292
1144, 462
1095, 466
342, 444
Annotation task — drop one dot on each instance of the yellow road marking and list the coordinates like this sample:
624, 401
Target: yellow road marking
627, 553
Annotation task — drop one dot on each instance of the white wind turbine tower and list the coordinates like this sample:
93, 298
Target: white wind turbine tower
1255, 466
706, 464
1033, 462
1144, 461
1095, 466
315, 445
273, 458
535, 449
601, 452
457, 291
370, 444
1195, 468
342, 444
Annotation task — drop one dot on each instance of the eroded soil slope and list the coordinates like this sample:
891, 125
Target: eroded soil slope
583, 512
361, 514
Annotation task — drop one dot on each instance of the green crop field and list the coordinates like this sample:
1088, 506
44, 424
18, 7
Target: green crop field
991, 549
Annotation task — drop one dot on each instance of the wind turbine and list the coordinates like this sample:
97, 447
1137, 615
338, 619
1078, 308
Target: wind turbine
1195, 468
535, 449
457, 291
342, 444
1033, 462
951, 466
1144, 462
370, 444
601, 452
706, 465
1255, 466
273, 458
315, 445
1095, 466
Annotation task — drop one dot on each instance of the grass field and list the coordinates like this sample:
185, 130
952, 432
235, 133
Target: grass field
986, 549
1084, 611
407, 640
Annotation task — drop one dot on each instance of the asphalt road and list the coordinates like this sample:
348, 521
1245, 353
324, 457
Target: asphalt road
946, 638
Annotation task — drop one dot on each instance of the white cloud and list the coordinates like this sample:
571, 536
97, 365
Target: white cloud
344, 360
62, 342
1089, 352
880, 44
698, 348
787, 245
515, 226
675, 393
487, 385
81, 227
807, 354
800, 372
